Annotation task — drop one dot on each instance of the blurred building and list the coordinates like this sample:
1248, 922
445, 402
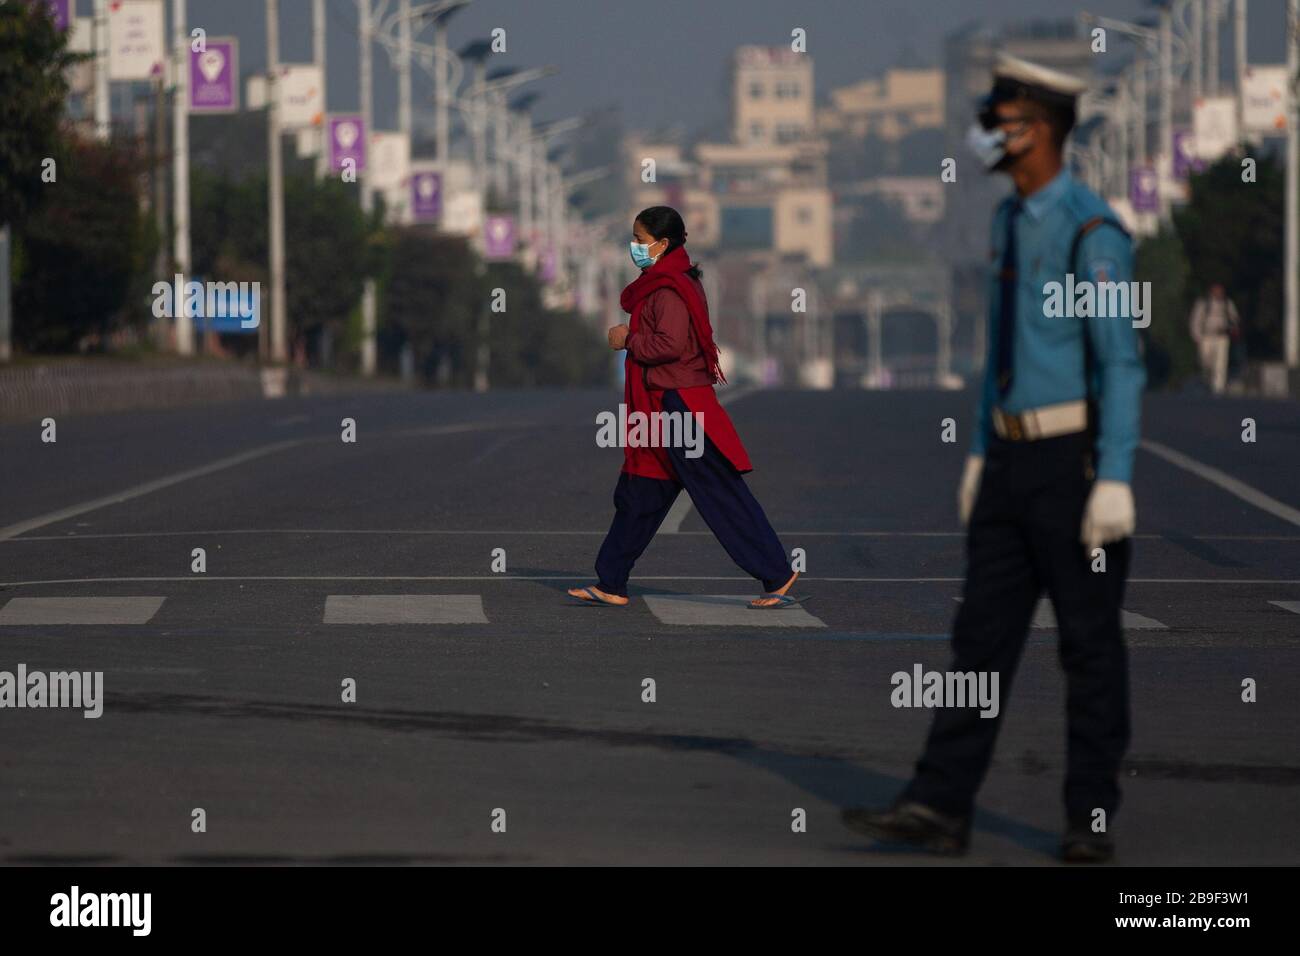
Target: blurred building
888, 107
772, 95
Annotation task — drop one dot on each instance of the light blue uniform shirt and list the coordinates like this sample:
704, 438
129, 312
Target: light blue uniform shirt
1048, 358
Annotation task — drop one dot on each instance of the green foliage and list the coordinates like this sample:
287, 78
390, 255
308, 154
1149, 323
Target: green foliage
85, 253
33, 56
1232, 233
1170, 352
431, 301
326, 242
434, 300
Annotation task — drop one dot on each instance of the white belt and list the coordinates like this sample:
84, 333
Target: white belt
1046, 422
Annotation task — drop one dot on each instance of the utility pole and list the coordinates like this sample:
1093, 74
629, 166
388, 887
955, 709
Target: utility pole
404, 68
1196, 70
1212, 65
1291, 325
369, 296
181, 168
102, 110
1165, 153
318, 50
1240, 61
279, 339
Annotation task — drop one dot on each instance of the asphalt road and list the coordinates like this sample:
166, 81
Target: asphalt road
226, 696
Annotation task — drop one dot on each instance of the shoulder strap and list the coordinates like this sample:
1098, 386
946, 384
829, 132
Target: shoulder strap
1089, 360
1094, 223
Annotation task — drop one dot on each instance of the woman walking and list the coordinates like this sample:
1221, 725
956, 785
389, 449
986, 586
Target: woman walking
672, 366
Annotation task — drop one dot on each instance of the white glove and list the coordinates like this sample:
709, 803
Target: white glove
1109, 515
970, 486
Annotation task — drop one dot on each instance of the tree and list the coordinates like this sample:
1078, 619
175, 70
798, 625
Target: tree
33, 57
1170, 353
84, 256
330, 248
1232, 232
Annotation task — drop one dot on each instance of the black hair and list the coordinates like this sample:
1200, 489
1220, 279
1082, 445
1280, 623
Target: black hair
1057, 110
665, 222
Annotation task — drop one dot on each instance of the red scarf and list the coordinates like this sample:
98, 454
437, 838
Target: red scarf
651, 462
670, 270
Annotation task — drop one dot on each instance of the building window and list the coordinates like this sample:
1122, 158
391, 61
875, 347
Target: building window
787, 90
747, 227
803, 215
755, 90
788, 132
756, 131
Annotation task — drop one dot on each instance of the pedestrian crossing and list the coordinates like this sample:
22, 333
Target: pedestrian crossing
671, 610
404, 609
79, 610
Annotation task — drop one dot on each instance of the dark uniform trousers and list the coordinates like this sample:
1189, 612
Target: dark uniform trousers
719, 494
1024, 540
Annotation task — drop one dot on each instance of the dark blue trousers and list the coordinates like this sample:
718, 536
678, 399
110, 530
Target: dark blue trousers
719, 494
1023, 541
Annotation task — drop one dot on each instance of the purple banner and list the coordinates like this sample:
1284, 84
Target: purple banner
499, 237
1144, 189
61, 11
1186, 161
347, 140
213, 72
546, 265
426, 196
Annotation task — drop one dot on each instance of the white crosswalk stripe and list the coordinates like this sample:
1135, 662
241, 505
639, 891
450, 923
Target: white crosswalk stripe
79, 610
1045, 618
404, 609
724, 610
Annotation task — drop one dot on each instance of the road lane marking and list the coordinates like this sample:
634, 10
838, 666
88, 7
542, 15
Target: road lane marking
672, 523
1045, 617
79, 610
723, 610
404, 609
1225, 481
77, 536
1292, 606
569, 577
137, 491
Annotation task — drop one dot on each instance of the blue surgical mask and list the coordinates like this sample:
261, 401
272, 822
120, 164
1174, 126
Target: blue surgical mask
990, 146
641, 257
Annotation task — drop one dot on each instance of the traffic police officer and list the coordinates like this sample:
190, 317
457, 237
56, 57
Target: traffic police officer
1045, 491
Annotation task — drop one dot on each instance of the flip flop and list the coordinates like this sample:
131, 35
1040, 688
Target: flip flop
594, 595
783, 600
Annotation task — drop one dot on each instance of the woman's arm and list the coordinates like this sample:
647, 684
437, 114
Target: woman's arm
664, 335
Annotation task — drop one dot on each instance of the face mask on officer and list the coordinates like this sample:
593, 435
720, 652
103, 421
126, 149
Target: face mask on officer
998, 140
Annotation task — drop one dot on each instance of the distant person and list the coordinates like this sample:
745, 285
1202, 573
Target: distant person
1215, 325
672, 366
1046, 484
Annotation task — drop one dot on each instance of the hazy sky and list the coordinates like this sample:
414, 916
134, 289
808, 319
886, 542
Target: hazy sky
664, 61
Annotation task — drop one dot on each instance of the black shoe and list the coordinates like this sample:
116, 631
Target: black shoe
1081, 845
912, 824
